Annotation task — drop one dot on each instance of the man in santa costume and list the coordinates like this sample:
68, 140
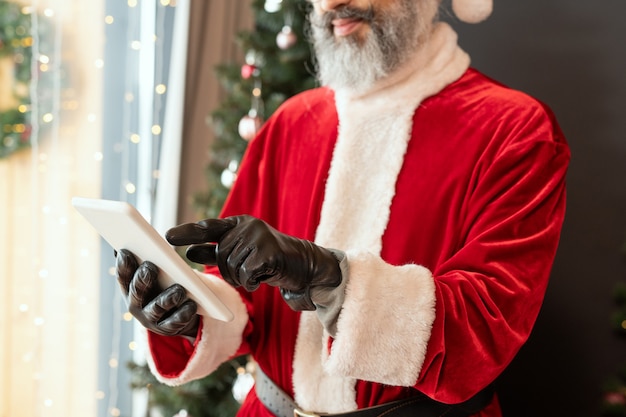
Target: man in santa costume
387, 245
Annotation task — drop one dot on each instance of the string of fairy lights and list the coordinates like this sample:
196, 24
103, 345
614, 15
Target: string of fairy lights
45, 99
34, 108
48, 99
139, 148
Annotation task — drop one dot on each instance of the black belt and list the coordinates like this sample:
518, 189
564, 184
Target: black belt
282, 405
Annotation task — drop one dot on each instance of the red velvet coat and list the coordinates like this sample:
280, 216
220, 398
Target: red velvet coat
479, 202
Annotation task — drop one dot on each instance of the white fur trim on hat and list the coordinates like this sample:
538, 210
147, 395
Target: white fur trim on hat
472, 11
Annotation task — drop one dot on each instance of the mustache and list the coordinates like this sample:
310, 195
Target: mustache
344, 12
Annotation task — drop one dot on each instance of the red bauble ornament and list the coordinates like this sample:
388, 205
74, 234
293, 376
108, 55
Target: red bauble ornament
248, 71
249, 125
286, 38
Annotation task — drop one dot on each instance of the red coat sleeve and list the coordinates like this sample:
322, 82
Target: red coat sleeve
490, 290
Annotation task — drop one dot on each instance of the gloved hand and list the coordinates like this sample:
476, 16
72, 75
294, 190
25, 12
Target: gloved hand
168, 312
249, 252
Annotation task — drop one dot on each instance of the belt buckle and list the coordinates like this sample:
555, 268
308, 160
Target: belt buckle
299, 413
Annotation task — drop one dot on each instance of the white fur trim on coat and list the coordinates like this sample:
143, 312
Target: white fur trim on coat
389, 347
218, 340
399, 306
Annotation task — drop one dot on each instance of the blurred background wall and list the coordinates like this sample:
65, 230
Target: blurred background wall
571, 54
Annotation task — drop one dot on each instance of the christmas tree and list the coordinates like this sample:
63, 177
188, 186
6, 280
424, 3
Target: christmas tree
277, 65
211, 396
614, 401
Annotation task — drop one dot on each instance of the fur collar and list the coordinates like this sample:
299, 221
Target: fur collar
374, 130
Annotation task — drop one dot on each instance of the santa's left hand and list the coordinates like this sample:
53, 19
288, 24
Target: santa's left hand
249, 252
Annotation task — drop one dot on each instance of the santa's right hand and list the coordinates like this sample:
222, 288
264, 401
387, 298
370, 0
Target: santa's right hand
166, 312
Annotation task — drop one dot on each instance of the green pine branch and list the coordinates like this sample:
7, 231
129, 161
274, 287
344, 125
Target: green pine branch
282, 74
207, 397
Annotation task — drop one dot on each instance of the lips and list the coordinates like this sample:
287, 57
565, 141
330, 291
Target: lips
345, 26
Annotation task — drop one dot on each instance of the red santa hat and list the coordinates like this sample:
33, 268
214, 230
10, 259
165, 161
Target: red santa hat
472, 11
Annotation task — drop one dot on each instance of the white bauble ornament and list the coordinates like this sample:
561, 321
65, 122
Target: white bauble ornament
229, 175
286, 38
272, 6
249, 125
228, 178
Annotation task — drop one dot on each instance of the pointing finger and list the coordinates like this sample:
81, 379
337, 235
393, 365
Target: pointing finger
209, 230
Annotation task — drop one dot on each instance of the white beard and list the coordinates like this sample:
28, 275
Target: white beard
356, 64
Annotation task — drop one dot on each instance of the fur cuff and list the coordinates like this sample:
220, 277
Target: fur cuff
217, 342
389, 346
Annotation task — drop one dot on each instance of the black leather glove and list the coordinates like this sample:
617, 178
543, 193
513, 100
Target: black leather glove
168, 312
249, 252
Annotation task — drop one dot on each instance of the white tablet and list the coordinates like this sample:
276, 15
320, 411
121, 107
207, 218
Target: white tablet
123, 227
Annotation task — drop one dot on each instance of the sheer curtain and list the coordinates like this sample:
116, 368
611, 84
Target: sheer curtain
48, 260
107, 121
